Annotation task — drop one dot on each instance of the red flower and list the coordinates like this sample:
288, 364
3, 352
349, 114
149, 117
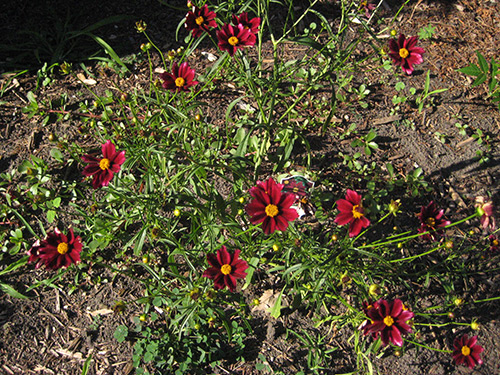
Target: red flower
389, 320
181, 78
103, 169
242, 19
486, 209
431, 221
405, 53
226, 268
271, 206
467, 351
56, 250
199, 20
233, 37
367, 7
352, 213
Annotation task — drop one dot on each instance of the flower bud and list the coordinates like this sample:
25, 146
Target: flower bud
140, 26
374, 290
177, 212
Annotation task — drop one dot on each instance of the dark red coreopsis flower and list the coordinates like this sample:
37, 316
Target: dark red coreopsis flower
367, 7
486, 209
242, 19
352, 213
225, 268
431, 220
181, 78
389, 320
271, 206
56, 250
199, 20
466, 351
405, 53
104, 169
233, 37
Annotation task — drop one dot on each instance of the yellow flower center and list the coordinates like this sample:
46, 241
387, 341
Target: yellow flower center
430, 222
403, 52
355, 213
225, 269
199, 21
272, 210
465, 350
233, 41
495, 242
388, 321
104, 164
62, 248
179, 81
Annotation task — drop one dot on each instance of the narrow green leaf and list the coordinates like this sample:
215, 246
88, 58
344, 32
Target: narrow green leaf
276, 309
6, 288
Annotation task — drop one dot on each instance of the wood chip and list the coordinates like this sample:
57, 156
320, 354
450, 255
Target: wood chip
386, 120
87, 81
101, 312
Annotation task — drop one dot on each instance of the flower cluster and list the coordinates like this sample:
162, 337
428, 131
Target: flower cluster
57, 250
231, 37
388, 320
270, 206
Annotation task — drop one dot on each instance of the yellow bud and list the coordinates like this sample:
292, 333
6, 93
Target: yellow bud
276, 247
394, 32
177, 212
197, 117
458, 302
475, 325
256, 302
374, 290
143, 317
241, 200
334, 237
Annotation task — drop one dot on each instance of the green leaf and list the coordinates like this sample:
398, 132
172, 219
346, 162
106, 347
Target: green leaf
471, 70
480, 79
85, 368
51, 215
6, 288
121, 333
276, 309
483, 64
110, 51
57, 154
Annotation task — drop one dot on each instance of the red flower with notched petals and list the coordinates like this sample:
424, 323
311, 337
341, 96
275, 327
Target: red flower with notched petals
242, 19
389, 320
104, 169
226, 268
352, 213
271, 206
181, 78
405, 53
56, 250
233, 37
199, 20
466, 351
431, 220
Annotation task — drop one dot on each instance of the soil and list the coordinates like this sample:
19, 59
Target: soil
56, 330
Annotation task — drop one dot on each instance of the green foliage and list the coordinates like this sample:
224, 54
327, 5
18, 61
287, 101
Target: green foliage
182, 191
485, 72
